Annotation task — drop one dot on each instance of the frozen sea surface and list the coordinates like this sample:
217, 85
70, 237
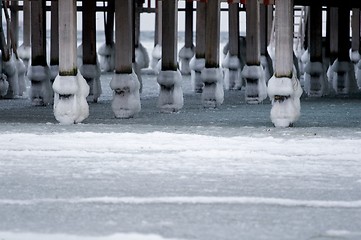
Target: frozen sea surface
204, 174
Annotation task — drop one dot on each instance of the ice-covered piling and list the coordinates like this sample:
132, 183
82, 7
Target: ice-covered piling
187, 51
125, 83
213, 93
87, 56
38, 72
197, 63
91, 73
284, 88
141, 56
158, 41
342, 72
54, 44
231, 63
355, 46
253, 72
315, 83
126, 98
4, 84
212, 76
170, 79
70, 88
256, 89
11, 72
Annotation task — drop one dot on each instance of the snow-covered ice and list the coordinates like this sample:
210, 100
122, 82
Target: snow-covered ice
199, 174
222, 173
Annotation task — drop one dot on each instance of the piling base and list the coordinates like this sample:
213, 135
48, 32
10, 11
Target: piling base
171, 94
91, 73
285, 96
315, 83
70, 105
256, 89
213, 93
342, 77
197, 65
126, 98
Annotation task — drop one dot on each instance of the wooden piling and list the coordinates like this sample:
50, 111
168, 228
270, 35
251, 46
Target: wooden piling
212, 34
169, 35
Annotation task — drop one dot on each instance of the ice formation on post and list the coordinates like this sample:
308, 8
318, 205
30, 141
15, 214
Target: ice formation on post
21, 76
185, 56
302, 62
91, 73
256, 89
70, 105
138, 71
4, 85
126, 98
197, 65
141, 57
266, 63
358, 74
300, 52
107, 57
285, 96
213, 93
315, 83
11, 72
54, 71
342, 77
356, 60
171, 94
24, 52
232, 73
156, 57
40, 90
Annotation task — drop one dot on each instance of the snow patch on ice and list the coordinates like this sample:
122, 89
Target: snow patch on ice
233, 200
213, 93
171, 94
197, 65
58, 236
126, 98
341, 233
70, 105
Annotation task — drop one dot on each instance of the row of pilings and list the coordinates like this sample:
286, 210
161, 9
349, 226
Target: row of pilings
277, 58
